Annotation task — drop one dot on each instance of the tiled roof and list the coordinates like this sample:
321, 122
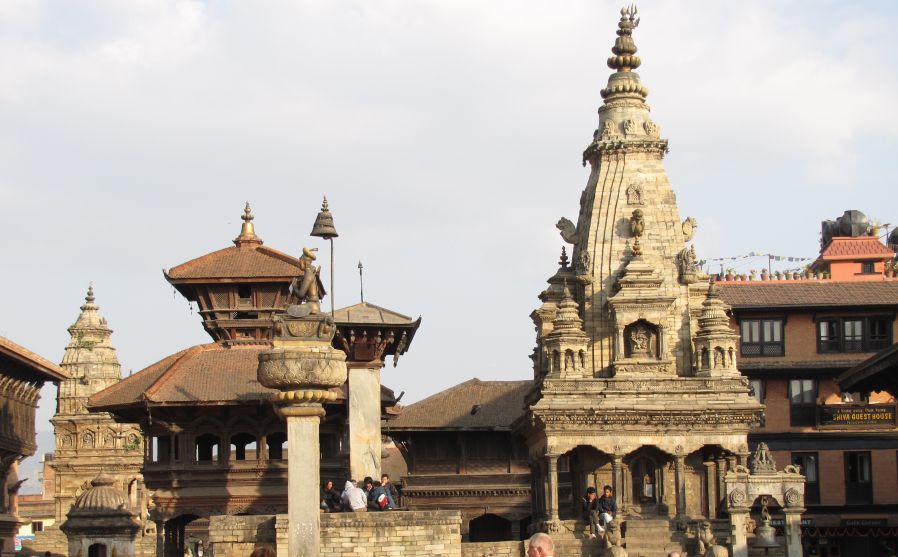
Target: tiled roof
500, 404
37, 364
245, 261
861, 247
773, 294
201, 375
876, 373
205, 374
370, 313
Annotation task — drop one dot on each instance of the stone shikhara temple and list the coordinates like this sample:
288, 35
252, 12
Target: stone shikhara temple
635, 384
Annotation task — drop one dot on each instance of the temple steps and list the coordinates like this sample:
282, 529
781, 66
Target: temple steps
647, 537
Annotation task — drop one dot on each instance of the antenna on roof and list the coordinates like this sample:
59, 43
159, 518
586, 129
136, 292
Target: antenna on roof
361, 283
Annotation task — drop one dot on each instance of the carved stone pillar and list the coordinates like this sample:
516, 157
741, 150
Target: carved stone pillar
302, 365
552, 499
680, 478
738, 521
661, 343
721, 481
711, 482
793, 531
618, 342
617, 479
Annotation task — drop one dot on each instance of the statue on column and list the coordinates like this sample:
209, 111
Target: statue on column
305, 287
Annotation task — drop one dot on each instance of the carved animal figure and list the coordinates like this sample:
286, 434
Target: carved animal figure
567, 229
637, 223
706, 538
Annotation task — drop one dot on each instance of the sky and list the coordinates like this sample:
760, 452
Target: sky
447, 137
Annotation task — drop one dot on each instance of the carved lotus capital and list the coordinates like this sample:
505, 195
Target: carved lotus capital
292, 368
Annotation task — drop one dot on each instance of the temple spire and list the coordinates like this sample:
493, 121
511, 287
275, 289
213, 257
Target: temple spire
247, 230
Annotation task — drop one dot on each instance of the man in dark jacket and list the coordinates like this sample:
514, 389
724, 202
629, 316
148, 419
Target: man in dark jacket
391, 491
607, 507
330, 499
589, 506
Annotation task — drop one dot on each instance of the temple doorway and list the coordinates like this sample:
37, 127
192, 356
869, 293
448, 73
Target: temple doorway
645, 493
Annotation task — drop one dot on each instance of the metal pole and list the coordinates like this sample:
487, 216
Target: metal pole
332, 276
361, 284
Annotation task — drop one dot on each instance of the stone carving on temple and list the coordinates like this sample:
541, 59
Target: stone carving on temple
567, 229
688, 227
634, 195
686, 262
629, 127
651, 128
762, 461
641, 340
609, 129
637, 223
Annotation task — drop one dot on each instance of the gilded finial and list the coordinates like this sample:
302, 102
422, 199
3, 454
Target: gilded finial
247, 230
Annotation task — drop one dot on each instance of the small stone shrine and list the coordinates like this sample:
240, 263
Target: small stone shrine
761, 480
99, 524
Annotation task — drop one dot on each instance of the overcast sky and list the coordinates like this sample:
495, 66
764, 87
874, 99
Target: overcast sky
446, 135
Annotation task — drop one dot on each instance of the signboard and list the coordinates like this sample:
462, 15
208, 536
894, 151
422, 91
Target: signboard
865, 522
857, 415
781, 522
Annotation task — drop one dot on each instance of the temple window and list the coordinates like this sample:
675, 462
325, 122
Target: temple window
757, 389
244, 295
207, 448
240, 443
276, 443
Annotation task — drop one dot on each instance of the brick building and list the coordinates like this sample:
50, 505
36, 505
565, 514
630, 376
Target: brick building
797, 334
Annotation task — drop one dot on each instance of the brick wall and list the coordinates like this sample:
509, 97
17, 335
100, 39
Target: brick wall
493, 549
237, 536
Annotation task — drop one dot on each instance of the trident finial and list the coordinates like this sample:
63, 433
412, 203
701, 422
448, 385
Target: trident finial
624, 48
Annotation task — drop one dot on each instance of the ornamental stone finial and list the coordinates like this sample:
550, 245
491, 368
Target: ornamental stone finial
624, 48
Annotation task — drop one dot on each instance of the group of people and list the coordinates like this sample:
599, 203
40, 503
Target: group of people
599, 511
373, 496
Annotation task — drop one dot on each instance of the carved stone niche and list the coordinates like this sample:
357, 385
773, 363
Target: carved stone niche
641, 340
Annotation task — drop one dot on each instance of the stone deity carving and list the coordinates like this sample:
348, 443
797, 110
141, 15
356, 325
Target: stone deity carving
583, 261
637, 223
629, 127
762, 462
686, 260
651, 128
634, 195
609, 129
641, 341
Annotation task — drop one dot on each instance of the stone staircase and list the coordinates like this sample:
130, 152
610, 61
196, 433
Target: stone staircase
652, 537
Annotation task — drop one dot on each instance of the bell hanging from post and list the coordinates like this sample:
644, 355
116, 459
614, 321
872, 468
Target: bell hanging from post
765, 534
324, 223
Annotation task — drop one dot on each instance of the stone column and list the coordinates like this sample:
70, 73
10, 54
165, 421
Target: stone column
721, 481
738, 520
680, 478
364, 420
793, 531
711, 481
302, 365
617, 479
303, 463
552, 499
160, 537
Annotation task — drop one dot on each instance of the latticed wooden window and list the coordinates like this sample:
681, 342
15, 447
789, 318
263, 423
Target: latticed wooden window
762, 337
